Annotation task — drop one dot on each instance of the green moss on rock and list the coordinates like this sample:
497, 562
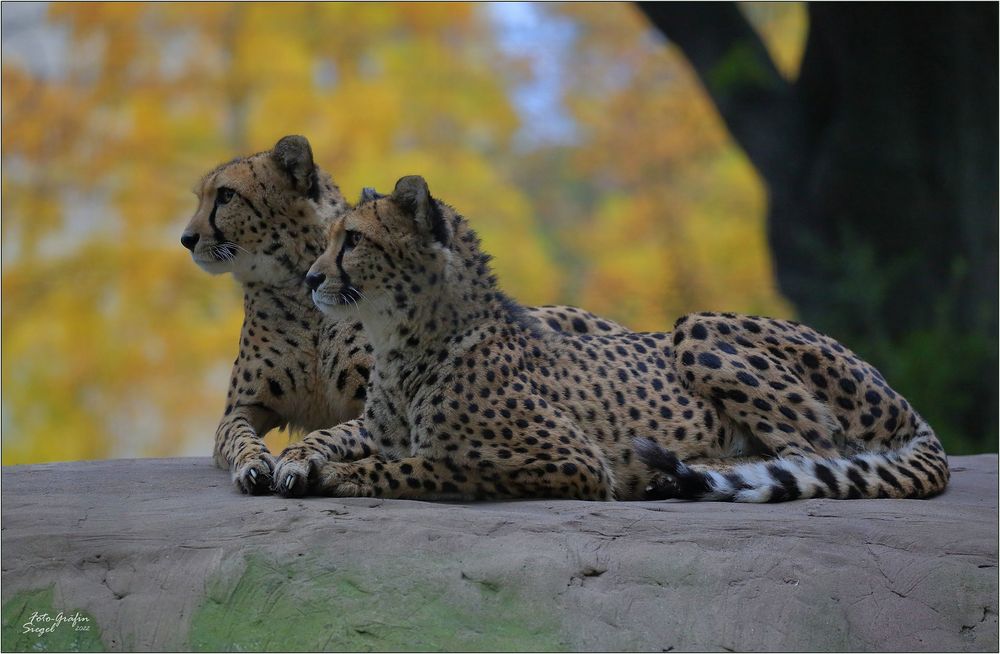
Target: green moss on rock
308, 604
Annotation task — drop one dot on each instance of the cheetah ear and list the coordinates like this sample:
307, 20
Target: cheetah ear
412, 195
368, 194
294, 156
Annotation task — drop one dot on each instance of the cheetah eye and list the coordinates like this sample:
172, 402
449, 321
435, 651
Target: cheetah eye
224, 195
351, 239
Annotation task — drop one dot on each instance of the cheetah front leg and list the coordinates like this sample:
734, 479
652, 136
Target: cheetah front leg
240, 449
298, 462
422, 478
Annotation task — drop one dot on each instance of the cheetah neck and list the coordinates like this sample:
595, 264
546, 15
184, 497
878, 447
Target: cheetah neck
411, 334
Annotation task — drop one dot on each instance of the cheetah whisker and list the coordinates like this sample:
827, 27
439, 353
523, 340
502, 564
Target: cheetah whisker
221, 253
350, 300
236, 246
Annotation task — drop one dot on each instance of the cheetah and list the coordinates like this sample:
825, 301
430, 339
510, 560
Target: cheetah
469, 399
264, 218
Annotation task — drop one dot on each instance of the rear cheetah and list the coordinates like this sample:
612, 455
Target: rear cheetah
469, 399
265, 218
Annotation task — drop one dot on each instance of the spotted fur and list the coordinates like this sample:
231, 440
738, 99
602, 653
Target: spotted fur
265, 219
837, 428
468, 399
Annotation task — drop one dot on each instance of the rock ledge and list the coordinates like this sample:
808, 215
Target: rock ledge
161, 554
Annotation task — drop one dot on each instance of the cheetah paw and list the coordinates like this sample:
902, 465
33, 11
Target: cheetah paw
253, 476
663, 487
296, 467
291, 477
670, 478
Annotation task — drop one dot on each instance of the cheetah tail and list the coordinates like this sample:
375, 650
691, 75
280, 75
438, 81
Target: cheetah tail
918, 469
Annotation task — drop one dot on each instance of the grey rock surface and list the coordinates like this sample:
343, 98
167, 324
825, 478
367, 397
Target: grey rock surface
163, 554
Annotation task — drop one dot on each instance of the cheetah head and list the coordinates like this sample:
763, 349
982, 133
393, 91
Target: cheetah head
263, 217
383, 252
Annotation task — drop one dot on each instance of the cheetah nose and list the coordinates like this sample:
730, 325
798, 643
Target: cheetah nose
313, 280
189, 240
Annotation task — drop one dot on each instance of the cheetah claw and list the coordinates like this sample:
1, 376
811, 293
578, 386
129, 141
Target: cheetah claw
291, 477
296, 470
253, 477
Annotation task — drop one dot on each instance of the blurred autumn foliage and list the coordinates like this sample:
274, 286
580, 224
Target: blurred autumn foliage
632, 202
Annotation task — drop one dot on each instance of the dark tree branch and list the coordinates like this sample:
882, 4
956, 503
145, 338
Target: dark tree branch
758, 105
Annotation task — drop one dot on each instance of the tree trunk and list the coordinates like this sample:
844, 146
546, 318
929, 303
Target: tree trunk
880, 163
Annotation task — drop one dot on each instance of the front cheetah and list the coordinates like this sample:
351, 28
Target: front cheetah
468, 398
265, 218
